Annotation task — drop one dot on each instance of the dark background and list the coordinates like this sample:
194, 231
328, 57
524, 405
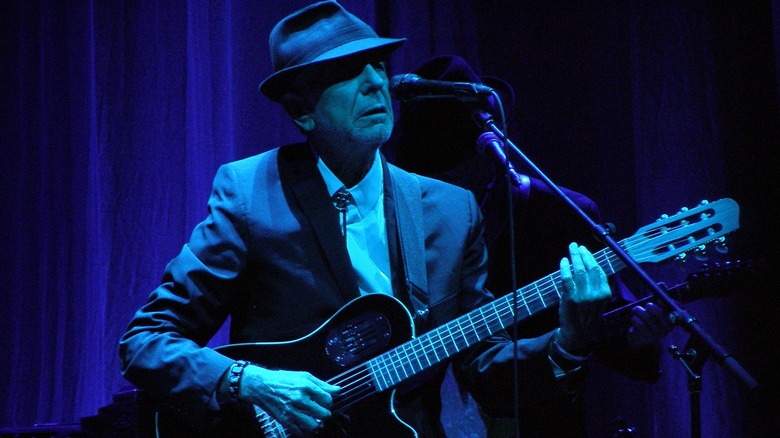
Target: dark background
114, 117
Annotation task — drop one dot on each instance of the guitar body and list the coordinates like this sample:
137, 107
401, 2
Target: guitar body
338, 349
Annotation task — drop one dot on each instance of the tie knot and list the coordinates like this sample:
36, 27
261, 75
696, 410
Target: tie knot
342, 198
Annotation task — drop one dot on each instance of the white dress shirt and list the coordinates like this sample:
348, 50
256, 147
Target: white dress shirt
366, 232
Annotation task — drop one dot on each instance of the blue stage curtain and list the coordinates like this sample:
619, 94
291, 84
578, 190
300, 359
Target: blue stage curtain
115, 116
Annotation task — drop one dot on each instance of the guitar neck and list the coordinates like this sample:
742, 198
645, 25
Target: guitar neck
434, 346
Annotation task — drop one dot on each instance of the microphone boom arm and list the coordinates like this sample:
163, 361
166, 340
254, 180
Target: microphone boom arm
679, 315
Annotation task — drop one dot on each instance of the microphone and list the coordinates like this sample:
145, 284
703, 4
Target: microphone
409, 86
489, 141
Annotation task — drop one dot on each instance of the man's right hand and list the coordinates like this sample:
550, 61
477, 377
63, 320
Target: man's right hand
297, 399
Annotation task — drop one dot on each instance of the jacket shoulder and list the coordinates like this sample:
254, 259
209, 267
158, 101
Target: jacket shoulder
432, 186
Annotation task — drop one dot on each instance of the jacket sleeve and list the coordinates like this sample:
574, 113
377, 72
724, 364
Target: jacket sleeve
163, 350
488, 369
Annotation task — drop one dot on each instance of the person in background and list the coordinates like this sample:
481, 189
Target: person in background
439, 138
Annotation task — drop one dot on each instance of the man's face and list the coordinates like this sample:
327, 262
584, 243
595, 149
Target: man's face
357, 108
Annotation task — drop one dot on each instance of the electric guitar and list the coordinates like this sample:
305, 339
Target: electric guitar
368, 346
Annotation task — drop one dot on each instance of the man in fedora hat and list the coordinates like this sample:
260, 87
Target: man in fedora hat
315, 249
439, 138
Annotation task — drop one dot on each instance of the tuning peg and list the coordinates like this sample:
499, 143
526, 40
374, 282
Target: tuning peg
720, 245
700, 253
704, 216
662, 217
683, 222
681, 258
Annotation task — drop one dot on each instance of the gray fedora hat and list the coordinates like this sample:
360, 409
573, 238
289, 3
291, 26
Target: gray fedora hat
317, 34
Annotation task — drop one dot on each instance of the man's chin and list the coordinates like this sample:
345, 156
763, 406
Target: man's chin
376, 134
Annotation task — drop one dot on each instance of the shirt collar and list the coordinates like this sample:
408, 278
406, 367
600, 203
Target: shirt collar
366, 192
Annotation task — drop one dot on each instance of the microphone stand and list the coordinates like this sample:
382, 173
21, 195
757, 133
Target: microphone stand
692, 359
678, 315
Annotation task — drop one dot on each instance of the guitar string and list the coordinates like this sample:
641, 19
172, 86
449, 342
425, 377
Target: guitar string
501, 308
270, 427
392, 365
350, 394
361, 377
353, 395
604, 256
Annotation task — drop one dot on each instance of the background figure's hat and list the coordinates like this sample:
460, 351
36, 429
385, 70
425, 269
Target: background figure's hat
314, 36
433, 135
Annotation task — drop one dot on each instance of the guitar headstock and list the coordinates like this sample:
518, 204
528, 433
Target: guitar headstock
688, 230
725, 278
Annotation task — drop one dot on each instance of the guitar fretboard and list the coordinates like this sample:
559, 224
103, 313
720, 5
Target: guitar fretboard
420, 353
668, 237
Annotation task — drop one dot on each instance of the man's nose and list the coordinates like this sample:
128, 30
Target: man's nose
372, 80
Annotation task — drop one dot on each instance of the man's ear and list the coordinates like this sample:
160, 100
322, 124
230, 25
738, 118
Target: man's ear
299, 109
305, 122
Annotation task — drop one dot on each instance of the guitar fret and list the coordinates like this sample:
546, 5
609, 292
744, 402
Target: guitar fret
483, 325
465, 340
513, 311
473, 328
609, 264
452, 337
414, 362
463, 333
416, 354
429, 349
392, 367
482, 316
393, 360
432, 347
424, 350
525, 302
443, 345
387, 369
500, 308
376, 373
473, 337
555, 286
444, 337
382, 369
498, 317
539, 292
404, 362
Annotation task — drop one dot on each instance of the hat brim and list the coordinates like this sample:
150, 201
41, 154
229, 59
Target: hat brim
277, 84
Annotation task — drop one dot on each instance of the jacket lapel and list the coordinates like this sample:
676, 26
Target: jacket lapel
404, 217
301, 180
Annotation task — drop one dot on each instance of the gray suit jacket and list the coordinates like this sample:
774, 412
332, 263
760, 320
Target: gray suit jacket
271, 256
